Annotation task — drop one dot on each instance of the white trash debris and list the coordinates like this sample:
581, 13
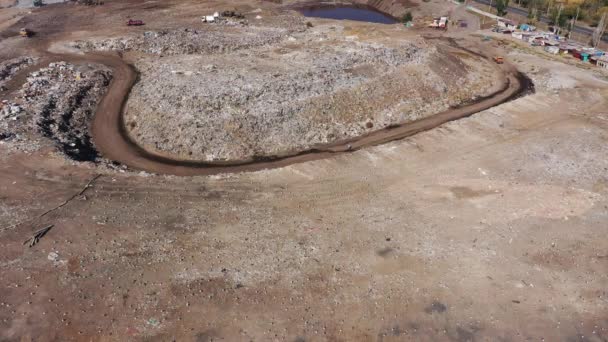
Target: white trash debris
15, 109
208, 19
53, 256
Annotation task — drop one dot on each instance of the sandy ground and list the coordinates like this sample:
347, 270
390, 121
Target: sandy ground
487, 228
9, 16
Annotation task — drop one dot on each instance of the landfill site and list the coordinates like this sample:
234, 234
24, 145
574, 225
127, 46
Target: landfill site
365, 170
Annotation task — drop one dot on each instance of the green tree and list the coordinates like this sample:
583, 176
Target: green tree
559, 18
501, 7
539, 14
38, 3
407, 17
531, 15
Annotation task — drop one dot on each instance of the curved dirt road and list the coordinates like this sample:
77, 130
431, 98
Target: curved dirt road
114, 143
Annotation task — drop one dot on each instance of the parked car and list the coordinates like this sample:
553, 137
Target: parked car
132, 22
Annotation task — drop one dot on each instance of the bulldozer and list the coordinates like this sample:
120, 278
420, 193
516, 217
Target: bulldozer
499, 59
25, 33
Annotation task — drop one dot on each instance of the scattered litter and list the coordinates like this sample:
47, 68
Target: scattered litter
153, 322
233, 14
217, 17
53, 256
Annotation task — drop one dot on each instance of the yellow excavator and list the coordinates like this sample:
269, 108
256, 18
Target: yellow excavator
25, 33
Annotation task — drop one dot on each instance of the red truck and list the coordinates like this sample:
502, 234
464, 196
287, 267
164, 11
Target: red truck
132, 22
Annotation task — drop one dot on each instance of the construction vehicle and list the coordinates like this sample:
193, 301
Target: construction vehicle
132, 22
25, 33
440, 23
90, 2
499, 60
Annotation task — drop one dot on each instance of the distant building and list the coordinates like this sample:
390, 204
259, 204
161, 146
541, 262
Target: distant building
602, 62
552, 49
527, 28
506, 23
583, 56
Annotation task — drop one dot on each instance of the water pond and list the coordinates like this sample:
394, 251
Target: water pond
357, 13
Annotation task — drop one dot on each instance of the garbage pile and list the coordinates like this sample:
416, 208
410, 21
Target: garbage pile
218, 18
58, 103
10, 67
211, 18
233, 14
229, 108
207, 40
9, 112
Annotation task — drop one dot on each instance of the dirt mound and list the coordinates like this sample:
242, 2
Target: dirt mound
238, 106
279, 99
230, 92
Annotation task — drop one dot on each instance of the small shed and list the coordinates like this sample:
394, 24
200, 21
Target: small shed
551, 42
552, 49
527, 28
583, 56
506, 23
517, 34
528, 37
538, 41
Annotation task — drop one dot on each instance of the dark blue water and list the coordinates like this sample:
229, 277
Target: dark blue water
348, 13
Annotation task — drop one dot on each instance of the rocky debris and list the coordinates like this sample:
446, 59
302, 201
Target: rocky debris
58, 102
10, 67
233, 14
9, 112
229, 36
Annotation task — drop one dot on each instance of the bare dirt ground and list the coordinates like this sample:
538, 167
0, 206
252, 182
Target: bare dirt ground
486, 228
